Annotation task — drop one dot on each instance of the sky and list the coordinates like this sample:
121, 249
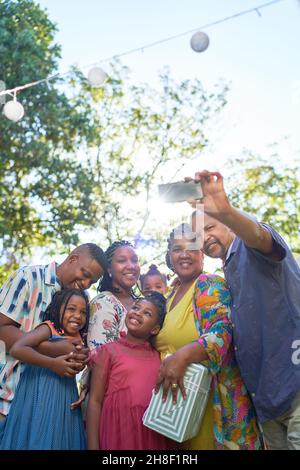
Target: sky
257, 54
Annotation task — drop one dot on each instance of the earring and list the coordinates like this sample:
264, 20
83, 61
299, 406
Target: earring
109, 274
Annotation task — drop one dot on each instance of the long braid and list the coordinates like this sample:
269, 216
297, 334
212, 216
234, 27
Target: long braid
157, 299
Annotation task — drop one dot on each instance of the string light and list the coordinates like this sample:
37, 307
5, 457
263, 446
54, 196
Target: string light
96, 76
13, 110
28, 85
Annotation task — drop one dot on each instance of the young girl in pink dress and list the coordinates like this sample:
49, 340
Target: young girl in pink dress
123, 374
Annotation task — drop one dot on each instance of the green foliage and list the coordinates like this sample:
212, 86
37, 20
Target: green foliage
270, 191
86, 158
142, 136
44, 192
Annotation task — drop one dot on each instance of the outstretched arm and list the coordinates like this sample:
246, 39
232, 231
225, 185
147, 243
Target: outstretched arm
217, 205
24, 350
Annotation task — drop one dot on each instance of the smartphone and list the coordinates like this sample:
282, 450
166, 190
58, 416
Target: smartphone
180, 191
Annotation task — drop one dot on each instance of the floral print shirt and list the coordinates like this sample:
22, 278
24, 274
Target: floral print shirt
107, 320
235, 425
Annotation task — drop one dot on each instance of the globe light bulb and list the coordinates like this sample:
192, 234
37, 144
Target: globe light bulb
199, 41
96, 77
13, 110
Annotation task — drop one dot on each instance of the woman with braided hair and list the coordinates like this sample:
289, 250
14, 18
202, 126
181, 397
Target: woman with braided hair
115, 297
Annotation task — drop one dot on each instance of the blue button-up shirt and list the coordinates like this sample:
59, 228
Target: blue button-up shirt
266, 323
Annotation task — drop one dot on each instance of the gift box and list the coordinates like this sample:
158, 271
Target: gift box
181, 421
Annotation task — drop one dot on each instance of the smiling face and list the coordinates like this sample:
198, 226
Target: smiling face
80, 271
217, 238
142, 320
124, 268
187, 262
153, 283
73, 315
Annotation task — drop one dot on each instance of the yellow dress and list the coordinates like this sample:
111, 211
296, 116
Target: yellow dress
178, 330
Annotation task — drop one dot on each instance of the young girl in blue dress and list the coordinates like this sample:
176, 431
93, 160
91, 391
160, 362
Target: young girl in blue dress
41, 417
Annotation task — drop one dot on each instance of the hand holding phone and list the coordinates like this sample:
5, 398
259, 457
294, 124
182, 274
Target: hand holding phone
180, 191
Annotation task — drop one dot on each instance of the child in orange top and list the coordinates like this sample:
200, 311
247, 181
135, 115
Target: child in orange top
41, 417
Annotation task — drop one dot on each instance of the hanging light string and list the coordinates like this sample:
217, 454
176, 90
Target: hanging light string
256, 9
208, 25
15, 90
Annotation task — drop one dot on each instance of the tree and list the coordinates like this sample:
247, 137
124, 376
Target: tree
82, 157
269, 190
143, 136
44, 191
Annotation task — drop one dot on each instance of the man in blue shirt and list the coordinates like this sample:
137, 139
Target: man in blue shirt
264, 281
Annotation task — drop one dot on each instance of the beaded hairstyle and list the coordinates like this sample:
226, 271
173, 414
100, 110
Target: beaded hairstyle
59, 301
160, 302
105, 283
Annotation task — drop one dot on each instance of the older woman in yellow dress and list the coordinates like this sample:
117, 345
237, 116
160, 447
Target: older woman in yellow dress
197, 329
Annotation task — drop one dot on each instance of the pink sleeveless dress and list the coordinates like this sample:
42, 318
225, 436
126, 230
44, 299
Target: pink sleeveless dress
130, 372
